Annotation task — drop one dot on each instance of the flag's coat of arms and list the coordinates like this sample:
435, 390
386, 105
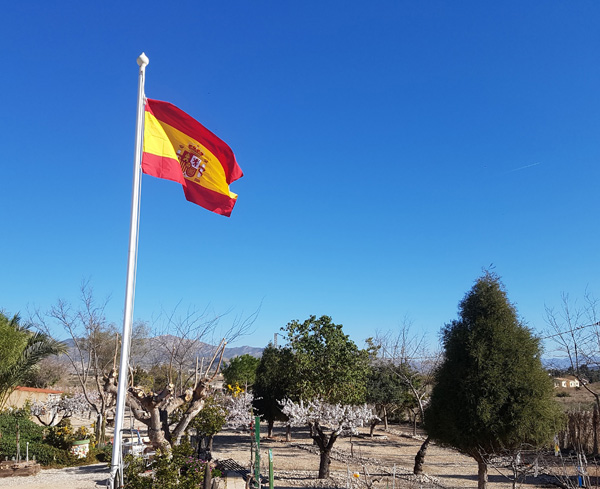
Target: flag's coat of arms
193, 161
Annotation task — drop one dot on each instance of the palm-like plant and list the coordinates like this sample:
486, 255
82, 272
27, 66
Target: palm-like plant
20, 351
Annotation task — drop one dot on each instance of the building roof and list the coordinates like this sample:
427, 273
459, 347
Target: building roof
36, 389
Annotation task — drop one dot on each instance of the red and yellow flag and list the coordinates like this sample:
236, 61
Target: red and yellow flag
177, 147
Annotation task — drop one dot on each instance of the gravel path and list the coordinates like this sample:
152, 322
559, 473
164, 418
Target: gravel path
85, 477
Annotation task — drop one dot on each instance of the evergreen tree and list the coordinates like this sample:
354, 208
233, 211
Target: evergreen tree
491, 392
274, 378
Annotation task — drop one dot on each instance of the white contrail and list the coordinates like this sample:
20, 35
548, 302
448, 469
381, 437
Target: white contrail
522, 167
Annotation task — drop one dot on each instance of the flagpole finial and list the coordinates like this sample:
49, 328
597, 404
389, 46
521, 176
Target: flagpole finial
143, 60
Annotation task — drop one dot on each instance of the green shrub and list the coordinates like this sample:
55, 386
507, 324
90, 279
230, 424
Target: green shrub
134, 473
45, 454
28, 430
180, 470
101, 454
562, 394
61, 435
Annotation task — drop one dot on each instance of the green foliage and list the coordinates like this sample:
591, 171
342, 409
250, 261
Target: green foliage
491, 392
101, 454
61, 435
328, 364
21, 350
44, 453
274, 379
180, 470
211, 419
241, 370
28, 430
135, 478
387, 388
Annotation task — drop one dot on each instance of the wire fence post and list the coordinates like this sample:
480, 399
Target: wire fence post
257, 458
270, 469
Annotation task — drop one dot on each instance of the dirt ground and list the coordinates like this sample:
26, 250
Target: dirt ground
384, 461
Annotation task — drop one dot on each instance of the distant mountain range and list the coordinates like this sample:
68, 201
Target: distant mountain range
158, 349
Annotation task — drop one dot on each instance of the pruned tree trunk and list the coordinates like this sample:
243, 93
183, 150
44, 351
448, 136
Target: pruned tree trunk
420, 457
482, 471
385, 419
325, 444
372, 427
324, 463
270, 423
288, 433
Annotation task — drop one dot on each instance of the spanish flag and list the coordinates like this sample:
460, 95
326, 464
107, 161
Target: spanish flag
177, 147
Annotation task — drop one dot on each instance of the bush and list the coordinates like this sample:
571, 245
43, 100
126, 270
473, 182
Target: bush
101, 454
28, 430
45, 454
181, 470
52, 451
562, 394
61, 435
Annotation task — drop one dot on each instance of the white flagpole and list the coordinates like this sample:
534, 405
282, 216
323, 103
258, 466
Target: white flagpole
117, 458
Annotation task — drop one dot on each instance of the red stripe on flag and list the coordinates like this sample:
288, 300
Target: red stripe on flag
162, 167
209, 199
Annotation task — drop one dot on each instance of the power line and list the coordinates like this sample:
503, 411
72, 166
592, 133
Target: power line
578, 328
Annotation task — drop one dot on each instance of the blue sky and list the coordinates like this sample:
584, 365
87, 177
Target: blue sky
391, 150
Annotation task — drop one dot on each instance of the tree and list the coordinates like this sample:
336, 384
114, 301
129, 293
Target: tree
241, 370
21, 350
319, 416
387, 392
47, 373
53, 411
210, 420
491, 392
274, 376
408, 357
329, 370
575, 330
95, 349
155, 409
329, 365
240, 413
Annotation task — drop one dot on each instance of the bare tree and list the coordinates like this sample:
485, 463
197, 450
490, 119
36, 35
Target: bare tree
575, 330
179, 339
415, 364
326, 423
94, 351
